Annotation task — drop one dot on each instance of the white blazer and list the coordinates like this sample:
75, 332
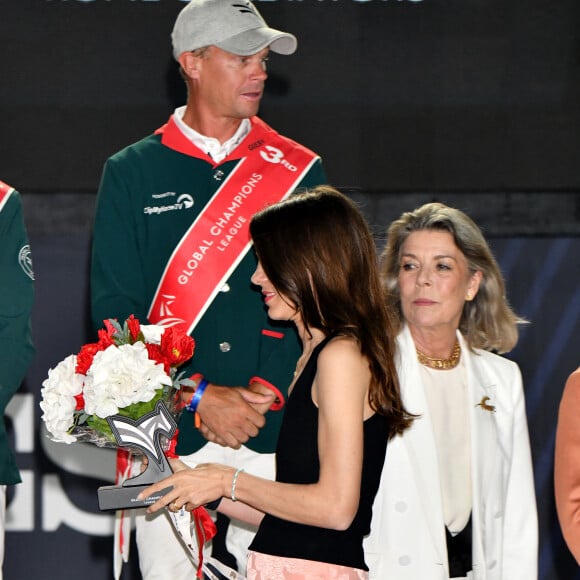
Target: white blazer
407, 539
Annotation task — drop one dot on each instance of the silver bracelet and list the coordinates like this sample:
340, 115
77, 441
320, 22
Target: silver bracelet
234, 481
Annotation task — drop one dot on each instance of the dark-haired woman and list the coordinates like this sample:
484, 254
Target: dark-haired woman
318, 268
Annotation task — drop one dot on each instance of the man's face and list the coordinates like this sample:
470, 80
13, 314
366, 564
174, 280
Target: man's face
229, 85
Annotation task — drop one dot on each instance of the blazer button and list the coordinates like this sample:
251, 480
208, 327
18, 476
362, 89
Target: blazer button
404, 560
225, 346
225, 288
401, 506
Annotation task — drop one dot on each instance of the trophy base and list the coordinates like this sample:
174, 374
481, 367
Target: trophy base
118, 497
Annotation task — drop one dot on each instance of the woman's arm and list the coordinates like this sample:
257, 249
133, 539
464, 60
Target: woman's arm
567, 464
340, 391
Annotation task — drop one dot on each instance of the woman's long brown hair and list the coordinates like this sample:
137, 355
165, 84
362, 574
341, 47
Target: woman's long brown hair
317, 250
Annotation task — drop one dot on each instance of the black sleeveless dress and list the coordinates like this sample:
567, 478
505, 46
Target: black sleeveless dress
297, 462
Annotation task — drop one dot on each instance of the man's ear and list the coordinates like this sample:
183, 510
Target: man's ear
190, 64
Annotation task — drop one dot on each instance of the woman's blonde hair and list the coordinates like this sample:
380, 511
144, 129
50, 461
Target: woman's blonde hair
488, 321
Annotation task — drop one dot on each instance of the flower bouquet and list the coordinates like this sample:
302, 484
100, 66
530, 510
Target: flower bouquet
126, 373
121, 391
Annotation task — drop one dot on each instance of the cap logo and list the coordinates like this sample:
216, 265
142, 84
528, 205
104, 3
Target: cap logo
248, 8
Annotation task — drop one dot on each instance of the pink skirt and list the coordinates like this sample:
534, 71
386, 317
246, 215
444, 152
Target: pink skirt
266, 567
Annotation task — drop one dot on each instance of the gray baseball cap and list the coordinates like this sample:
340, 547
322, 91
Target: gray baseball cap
235, 26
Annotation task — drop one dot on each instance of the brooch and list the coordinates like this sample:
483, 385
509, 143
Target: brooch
483, 404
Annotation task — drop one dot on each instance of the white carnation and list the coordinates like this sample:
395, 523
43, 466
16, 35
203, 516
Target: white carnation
58, 399
121, 376
152, 333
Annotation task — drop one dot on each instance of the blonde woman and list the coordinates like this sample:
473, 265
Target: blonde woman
457, 495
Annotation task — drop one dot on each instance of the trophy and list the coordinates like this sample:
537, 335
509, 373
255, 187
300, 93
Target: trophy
143, 434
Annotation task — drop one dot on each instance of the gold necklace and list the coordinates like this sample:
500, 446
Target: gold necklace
442, 364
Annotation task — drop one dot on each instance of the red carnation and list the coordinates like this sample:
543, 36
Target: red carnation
86, 356
111, 330
134, 327
105, 339
154, 352
80, 402
176, 346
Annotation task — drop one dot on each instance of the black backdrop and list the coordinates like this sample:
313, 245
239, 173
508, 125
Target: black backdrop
473, 102
411, 95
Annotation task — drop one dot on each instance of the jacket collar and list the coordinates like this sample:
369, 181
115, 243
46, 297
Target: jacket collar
173, 137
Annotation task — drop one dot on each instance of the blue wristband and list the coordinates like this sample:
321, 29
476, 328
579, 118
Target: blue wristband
192, 405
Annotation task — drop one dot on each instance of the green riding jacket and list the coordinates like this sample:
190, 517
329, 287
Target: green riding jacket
16, 299
150, 193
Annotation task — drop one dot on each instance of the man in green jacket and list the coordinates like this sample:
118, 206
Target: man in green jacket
171, 246
16, 349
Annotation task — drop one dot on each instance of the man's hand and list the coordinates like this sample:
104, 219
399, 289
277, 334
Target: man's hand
228, 415
259, 388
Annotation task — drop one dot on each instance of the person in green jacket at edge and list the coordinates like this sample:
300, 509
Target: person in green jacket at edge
171, 246
16, 348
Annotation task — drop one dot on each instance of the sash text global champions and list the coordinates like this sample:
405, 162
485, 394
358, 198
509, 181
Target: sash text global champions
228, 225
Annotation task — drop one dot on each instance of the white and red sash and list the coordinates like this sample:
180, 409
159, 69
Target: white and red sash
5, 192
219, 238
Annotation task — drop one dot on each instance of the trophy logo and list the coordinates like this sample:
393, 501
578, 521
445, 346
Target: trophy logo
143, 434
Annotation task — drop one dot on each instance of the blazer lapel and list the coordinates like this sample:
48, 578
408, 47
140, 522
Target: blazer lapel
420, 444
482, 390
